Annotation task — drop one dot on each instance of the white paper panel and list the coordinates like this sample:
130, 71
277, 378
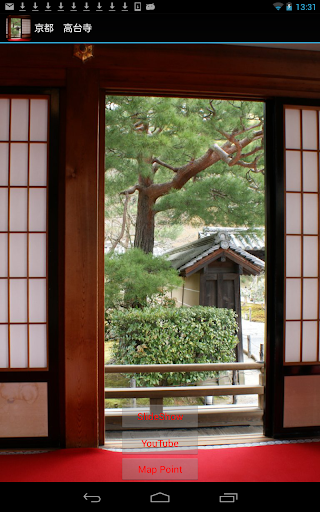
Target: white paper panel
39, 120
37, 300
37, 255
293, 299
4, 118
309, 129
292, 128
293, 171
19, 119
27, 206
310, 171
18, 255
302, 217
18, 300
293, 213
310, 214
19, 165
3, 209
293, 256
310, 299
18, 209
3, 255
38, 165
18, 346
310, 256
3, 300
4, 349
292, 344
309, 341
4, 160
38, 346
37, 209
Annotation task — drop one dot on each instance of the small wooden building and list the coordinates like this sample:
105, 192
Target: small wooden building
211, 267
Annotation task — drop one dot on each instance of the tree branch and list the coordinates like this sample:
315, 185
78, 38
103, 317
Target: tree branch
222, 154
258, 148
239, 132
131, 190
163, 164
190, 170
217, 193
236, 158
124, 222
249, 165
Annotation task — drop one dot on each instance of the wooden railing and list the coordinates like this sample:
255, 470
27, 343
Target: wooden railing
157, 394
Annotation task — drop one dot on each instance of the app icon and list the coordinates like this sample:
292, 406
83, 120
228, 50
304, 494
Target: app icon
18, 28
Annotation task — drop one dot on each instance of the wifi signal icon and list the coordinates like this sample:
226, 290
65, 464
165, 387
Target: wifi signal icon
278, 5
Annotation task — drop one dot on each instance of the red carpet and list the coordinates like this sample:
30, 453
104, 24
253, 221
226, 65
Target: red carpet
293, 462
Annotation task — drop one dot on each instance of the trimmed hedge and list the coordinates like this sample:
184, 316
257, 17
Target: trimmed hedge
161, 335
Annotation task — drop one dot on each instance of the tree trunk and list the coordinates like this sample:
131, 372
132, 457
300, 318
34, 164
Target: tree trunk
144, 236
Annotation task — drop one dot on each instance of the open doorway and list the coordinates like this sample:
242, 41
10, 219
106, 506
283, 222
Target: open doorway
184, 238
16, 28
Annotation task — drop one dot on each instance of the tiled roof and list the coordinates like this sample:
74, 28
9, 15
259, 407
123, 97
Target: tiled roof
192, 253
247, 239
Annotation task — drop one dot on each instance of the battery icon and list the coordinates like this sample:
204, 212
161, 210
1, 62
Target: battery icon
228, 497
137, 6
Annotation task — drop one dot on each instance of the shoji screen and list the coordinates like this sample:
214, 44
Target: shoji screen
23, 232
301, 235
26, 27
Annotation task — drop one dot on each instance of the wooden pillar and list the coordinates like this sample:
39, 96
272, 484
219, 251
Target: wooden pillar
81, 258
237, 307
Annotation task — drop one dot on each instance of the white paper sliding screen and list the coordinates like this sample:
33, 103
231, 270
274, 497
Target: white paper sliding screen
23, 232
302, 235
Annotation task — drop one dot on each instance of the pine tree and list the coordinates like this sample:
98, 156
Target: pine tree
184, 159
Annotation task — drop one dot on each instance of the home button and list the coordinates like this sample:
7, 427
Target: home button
160, 497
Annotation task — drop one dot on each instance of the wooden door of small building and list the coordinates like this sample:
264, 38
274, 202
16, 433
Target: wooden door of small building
220, 287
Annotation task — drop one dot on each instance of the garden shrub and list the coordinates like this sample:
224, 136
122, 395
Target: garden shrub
160, 335
135, 279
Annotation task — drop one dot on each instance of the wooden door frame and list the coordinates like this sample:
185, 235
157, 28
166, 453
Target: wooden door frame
187, 70
273, 423
101, 238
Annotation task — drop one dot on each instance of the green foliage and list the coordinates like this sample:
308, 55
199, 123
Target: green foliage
258, 313
161, 335
136, 279
15, 27
177, 131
